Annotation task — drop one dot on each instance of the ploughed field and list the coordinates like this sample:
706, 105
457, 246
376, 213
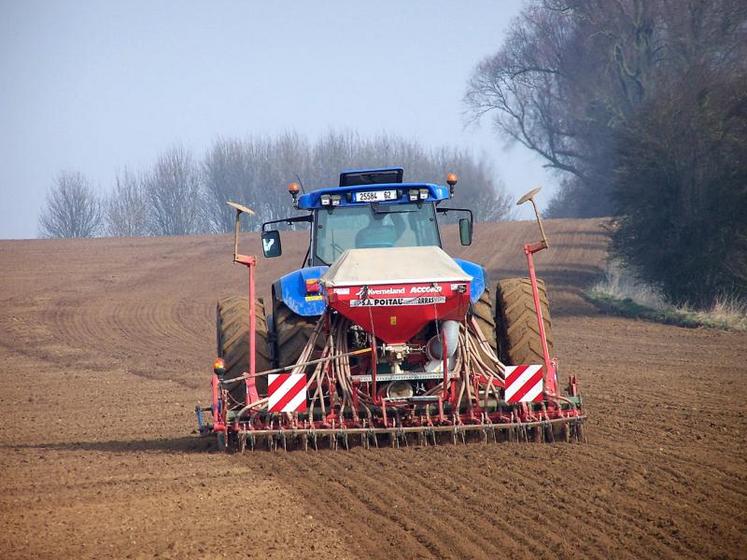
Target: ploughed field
106, 346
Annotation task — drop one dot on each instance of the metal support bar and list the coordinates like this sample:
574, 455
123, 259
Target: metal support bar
252, 331
250, 262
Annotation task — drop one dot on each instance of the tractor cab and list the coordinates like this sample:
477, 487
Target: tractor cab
370, 209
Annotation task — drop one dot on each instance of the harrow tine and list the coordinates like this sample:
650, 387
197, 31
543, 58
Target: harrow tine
567, 432
422, 440
432, 433
401, 435
549, 435
513, 433
579, 432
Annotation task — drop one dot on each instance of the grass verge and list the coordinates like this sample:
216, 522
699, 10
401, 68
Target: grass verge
620, 294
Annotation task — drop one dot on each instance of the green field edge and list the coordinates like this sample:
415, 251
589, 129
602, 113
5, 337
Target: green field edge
626, 307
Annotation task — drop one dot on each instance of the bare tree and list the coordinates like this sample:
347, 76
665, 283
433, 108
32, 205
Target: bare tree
126, 210
72, 209
174, 195
479, 188
572, 73
257, 171
226, 174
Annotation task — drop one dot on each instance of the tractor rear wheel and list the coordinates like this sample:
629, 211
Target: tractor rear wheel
484, 313
232, 322
518, 331
292, 332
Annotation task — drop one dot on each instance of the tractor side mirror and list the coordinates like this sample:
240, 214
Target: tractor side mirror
271, 244
465, 231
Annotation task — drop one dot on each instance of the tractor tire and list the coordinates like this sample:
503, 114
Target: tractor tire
518, 331
292, 332
484, 313
232, 330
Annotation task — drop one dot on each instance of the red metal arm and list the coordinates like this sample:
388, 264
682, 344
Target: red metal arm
250, 262
549, 381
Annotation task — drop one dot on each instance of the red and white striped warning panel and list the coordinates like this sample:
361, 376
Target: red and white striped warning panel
524, 383
286, 392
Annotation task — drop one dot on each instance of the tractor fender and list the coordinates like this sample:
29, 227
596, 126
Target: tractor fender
291, 290
477, 286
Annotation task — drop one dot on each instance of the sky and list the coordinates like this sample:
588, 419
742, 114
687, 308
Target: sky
97, 86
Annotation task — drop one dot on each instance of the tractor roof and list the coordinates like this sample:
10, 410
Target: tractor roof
312, 200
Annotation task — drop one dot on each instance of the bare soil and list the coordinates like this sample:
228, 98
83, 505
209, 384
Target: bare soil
106, 347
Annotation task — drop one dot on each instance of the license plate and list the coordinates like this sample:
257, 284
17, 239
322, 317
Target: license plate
375, 196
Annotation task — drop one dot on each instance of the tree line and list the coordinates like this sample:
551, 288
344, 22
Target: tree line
640, 106
179, 194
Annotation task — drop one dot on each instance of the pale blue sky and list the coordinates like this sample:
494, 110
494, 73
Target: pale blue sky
97, 86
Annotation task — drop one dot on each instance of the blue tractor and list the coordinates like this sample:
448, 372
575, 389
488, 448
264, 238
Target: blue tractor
381, 318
